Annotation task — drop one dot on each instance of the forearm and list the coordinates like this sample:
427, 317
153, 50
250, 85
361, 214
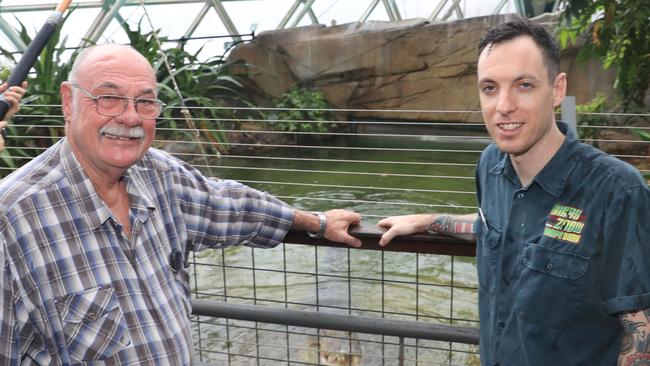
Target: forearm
458, 226
332, 225
635, 344
303, 220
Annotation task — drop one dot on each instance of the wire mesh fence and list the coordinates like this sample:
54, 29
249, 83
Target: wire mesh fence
375, 167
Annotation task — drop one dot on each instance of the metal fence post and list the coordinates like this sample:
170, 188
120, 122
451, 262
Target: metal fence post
569, 115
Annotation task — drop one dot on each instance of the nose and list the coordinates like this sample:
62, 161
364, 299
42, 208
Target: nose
130, 116
506, 103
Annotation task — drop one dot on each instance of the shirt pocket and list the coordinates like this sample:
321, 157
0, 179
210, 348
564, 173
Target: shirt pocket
552, 290
93, 324
487, 256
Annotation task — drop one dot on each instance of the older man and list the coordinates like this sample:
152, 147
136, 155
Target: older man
95, 231
563, 229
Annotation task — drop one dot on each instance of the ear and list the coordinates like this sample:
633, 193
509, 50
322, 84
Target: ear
66, 100
559, 89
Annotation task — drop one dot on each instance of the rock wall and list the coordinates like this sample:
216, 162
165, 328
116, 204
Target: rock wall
407, 65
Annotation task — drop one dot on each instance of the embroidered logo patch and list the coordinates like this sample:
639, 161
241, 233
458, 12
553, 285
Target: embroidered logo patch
565, 223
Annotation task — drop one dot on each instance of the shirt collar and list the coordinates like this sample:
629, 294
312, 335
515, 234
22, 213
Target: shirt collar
92, 206
138, 183
553, 177
505, 168
94, 209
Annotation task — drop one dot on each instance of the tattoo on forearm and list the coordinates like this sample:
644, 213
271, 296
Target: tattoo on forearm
635, 345
447, 224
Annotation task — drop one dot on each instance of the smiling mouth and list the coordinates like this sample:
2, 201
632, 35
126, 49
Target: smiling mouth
509, 126
119, 137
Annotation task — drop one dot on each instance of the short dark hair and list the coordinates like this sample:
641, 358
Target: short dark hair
524, 27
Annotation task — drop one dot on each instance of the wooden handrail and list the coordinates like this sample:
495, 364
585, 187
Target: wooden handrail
418, 243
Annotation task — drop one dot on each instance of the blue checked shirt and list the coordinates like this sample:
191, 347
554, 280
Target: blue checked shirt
76, 290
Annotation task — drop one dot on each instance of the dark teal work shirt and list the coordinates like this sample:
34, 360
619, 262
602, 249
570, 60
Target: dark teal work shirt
560, 259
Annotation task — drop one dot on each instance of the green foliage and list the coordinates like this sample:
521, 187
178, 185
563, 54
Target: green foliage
617, 32
204, 87
301, 110
4, 73
596, 105
42, 94
642, 134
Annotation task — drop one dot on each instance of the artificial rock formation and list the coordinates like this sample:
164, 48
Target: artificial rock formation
410, 65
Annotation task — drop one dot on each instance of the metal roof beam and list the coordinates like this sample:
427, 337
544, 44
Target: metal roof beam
369, 10
389, 5
289, 14
104, 18
499, 7
305, 9
312, 16
197, 20
437, 10
299, 9
93, 4
225, 19
392, 10
456, 8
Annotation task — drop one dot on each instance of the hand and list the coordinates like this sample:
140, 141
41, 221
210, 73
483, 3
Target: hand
403, 225
13, 95
3, 124
338, 223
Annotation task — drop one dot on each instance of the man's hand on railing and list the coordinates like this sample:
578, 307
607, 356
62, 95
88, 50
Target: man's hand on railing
404, 225
332, 225
338, 224
458, 226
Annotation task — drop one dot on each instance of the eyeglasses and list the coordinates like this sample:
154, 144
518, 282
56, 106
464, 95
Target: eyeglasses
114, 105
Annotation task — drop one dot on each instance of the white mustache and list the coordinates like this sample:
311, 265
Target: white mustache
123, 131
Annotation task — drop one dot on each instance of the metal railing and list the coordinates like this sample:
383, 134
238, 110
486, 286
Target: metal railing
401, 329
446, 331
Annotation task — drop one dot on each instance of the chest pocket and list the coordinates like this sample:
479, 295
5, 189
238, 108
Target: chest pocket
93, 324
551, 291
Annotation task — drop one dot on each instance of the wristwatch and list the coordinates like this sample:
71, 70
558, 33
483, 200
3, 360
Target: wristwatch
321, 229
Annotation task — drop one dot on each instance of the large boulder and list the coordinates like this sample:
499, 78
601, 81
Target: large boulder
410, 65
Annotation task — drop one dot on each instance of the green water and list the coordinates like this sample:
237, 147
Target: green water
375, 180
372, 179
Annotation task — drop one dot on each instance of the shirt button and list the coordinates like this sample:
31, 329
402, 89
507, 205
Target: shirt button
143, 216
92, 316
520, 195
550, 266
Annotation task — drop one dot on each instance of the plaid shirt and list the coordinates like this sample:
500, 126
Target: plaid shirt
76, 290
